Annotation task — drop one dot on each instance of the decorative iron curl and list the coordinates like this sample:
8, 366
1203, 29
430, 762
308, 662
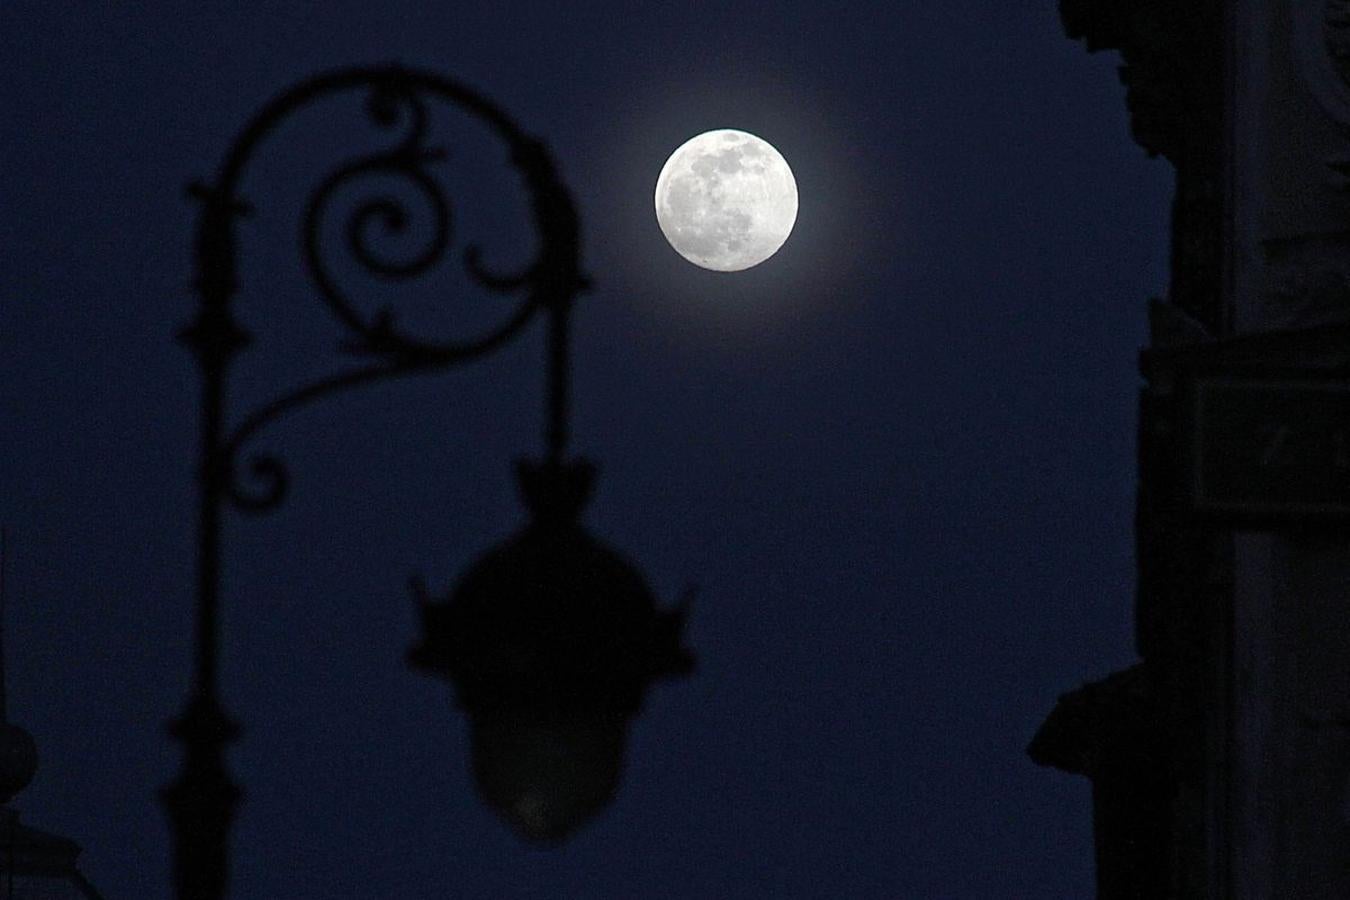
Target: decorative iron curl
271, 480
396, 99
269, 472
390, 214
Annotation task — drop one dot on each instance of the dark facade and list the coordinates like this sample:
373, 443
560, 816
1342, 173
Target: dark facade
1220, 762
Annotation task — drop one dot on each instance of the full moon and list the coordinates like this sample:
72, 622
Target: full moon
726, 200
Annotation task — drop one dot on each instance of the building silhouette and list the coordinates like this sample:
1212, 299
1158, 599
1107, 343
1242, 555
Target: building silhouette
34, 865
1220, 763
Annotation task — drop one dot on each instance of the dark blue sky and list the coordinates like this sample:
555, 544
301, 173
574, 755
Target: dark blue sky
897, 458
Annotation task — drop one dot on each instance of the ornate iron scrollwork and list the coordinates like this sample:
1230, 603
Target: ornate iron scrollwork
396, 100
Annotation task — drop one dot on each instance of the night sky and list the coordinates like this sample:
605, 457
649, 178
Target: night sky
896, 459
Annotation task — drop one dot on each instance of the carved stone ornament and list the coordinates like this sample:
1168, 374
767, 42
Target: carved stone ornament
1322, 45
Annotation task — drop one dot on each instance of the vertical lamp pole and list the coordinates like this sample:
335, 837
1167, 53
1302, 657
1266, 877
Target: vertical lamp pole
201, 801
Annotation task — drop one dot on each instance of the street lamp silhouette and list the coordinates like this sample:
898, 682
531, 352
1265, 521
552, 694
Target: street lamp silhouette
551, 638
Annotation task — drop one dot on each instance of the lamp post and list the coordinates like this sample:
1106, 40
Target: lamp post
551, 638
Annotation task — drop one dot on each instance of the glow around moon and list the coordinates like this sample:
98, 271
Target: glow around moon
726, 200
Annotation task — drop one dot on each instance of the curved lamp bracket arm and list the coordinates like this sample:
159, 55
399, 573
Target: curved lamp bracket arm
396, 101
